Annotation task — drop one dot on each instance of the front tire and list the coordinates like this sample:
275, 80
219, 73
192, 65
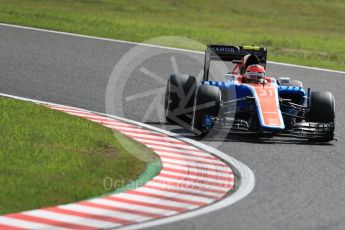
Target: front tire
207, 103
322, 110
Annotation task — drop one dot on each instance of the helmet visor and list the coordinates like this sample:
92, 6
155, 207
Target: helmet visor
255, 76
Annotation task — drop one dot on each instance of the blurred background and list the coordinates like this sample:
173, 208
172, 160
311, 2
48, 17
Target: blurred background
306, 32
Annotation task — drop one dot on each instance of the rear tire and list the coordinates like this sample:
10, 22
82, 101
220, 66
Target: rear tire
177, 106
322, 110
207, 102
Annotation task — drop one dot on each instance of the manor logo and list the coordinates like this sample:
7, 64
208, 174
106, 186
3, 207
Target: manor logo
223, 49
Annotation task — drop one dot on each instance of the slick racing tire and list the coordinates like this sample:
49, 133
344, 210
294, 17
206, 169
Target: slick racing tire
207, 102
322, 110
179, 98
322, 107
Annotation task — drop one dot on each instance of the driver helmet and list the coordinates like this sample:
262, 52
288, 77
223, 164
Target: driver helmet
255, 74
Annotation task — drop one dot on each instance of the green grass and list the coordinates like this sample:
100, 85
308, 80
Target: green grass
308, 32
49, 157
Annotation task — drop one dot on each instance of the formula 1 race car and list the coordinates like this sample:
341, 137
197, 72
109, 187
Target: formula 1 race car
248, 101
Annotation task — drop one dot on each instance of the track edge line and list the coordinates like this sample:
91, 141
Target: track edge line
244, 188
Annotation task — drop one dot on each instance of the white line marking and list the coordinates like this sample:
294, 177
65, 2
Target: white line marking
199, 177
187, 157
154, 137
188, 169
104, 212
130, 129
175, 195
153, 200
26, 224
154, 46
165, 143
120, 204
181, 188
193, 164
199, 155
162, 148
71, 219
244, 188
190, 184
202, 173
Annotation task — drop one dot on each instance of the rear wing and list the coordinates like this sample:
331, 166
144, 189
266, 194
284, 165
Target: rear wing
233, 54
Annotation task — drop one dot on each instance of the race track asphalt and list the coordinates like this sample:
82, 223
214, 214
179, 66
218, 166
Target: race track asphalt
298, 185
